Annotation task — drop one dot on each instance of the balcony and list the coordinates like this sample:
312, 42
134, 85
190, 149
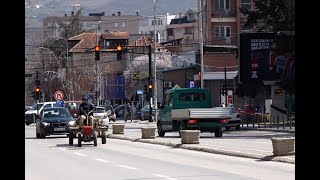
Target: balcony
224, 13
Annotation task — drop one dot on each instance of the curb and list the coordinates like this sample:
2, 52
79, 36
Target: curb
267, 129
205, 149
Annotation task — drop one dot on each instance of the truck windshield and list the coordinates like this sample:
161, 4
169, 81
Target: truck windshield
192, 97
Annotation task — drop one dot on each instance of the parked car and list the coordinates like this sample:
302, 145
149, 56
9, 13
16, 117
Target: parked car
112, 116
33, 113
73, 107
119, 111
146, 113
100, 112
235, 120
247, 109
54, 120
27, 108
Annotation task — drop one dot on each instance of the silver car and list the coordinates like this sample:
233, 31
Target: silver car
235, 120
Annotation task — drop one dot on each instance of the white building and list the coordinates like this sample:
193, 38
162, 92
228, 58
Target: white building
147, 26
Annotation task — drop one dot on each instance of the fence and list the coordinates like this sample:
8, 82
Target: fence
265, 121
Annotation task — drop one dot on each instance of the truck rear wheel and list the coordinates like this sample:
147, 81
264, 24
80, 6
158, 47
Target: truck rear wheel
161, 133
218, 133
182, 126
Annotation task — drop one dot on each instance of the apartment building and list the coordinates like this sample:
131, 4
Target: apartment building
148, 23
184, 29
223, 21
94, 22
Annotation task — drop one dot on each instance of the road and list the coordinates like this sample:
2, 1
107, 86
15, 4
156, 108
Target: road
53, 159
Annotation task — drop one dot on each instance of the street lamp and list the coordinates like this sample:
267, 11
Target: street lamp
155, 64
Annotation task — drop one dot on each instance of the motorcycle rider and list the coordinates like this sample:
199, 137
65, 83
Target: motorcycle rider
84, 109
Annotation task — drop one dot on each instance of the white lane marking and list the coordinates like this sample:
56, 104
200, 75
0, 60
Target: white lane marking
164, 176
41, 143
101, 160
29, 140
128, 167
63, 149
80, 154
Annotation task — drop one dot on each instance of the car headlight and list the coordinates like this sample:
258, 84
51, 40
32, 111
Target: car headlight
72, 123
45, 124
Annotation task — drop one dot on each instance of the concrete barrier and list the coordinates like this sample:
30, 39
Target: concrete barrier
190, 136
118, 128
148, 132
283, 146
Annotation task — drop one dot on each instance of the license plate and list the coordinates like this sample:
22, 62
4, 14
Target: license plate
59, 129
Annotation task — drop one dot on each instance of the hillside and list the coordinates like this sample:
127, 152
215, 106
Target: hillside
43, 8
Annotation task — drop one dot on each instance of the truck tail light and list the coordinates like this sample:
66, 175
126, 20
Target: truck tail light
223, 121
192, 121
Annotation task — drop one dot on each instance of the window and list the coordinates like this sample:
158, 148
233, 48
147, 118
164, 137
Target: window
123, 24
192, 97
168, 100
222, 4
152, 22
246, 4
188, 30
116, 24
223, 31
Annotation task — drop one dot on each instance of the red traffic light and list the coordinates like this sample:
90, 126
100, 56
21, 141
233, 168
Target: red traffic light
97, 48
119, 48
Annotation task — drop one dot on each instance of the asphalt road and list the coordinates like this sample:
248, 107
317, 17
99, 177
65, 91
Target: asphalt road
53, 159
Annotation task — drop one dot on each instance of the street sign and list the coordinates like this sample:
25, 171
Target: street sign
58, 95
192, 84
135, 76
139, 91
27, 75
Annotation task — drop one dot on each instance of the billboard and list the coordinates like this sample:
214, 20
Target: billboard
260, 58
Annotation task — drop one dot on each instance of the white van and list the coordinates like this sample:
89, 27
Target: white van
31, 114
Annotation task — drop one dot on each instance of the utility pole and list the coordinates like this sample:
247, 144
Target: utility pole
155, 64
201, 42
150, 75
97, 73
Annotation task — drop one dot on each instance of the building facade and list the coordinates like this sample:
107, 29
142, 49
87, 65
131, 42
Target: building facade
147, 26
94, 22
223, 21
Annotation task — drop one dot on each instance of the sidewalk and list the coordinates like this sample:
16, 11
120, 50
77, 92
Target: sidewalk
244, 143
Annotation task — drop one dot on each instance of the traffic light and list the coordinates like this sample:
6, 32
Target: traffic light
150, 89
37, 93
33, 93
97, 53
119, 52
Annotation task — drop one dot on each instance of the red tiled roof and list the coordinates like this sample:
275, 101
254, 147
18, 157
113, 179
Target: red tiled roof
86, 42
144, 41
115, 35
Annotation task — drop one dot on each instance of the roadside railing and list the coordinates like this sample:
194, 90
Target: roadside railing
260, 120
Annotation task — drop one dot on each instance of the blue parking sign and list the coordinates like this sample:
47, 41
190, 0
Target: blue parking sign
192, 84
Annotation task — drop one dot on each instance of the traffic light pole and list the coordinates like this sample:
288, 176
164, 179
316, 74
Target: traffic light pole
150, 75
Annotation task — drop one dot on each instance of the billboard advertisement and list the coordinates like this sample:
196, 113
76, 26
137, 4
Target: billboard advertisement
260, 58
